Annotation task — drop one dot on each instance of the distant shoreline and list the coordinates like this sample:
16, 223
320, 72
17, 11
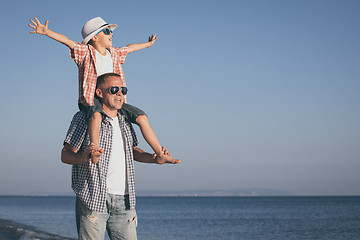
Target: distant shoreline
248, 192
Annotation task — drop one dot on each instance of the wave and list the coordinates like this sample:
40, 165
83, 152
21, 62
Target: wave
10, 230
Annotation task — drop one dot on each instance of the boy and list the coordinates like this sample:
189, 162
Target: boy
96, 56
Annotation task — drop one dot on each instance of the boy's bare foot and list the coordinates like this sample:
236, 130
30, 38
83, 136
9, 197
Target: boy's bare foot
165, 157
96, 153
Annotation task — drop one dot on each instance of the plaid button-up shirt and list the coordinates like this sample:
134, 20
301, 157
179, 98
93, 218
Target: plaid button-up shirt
88, 179
84, 57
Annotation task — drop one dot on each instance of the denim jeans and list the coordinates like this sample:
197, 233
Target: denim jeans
131, 112
119, 221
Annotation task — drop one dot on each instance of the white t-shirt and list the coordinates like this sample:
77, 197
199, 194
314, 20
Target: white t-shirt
116, 178
103, 64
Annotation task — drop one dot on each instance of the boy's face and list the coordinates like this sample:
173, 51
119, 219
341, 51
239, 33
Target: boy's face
104, 40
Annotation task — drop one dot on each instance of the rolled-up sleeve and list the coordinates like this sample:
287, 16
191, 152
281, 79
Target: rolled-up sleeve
121, 53
78, 53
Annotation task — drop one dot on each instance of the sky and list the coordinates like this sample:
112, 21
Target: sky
246, 93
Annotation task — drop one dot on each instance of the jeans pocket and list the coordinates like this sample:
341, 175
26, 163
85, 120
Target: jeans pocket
133, 217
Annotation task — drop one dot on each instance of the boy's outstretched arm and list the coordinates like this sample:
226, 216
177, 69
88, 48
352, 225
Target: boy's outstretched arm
138, 46
43, 30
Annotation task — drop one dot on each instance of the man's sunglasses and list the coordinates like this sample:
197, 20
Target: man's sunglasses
107, 31
115, 90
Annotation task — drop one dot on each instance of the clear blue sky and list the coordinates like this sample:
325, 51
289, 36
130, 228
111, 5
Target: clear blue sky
246, 93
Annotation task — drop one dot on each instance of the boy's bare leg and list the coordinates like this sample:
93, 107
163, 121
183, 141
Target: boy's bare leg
152, 140
94, 133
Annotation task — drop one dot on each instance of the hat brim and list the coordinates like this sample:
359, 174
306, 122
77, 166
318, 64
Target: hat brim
90, 36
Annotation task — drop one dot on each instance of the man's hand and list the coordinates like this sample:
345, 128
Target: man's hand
85, 155
91, 152
39, 28
145, 157
165, 157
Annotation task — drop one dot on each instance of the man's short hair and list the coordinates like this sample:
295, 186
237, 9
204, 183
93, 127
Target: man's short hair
101, 79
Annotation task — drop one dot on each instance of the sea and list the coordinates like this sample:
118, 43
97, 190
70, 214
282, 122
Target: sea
183, 218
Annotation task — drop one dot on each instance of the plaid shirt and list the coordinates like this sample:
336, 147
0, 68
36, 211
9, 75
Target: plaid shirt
84, 57
88, 179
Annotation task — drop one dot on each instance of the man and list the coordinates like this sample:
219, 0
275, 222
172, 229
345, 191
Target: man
105, 191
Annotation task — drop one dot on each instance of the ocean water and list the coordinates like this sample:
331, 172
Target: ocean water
209, 218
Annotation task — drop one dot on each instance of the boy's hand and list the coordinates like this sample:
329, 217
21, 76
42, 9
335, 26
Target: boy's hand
152, 39
39, 28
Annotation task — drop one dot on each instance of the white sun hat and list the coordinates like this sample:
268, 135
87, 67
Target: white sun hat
93, 26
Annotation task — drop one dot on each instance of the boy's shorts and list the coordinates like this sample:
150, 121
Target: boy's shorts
130, 112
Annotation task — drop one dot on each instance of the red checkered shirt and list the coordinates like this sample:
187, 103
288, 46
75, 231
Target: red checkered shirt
84, 57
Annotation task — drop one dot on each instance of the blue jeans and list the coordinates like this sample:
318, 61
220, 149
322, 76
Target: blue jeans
119, 221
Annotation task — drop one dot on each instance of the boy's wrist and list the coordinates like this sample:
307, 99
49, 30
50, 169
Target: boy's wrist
46, 32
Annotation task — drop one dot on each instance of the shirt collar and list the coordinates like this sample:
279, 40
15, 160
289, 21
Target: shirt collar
106, 118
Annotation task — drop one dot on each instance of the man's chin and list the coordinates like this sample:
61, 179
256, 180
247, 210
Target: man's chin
119, 107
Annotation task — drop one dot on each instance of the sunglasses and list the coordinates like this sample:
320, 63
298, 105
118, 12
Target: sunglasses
107, 31
115, 90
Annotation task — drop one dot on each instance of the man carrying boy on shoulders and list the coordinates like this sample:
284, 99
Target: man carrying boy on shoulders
105, 191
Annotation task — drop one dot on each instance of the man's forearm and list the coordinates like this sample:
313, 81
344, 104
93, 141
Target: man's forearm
70, 155
142, 156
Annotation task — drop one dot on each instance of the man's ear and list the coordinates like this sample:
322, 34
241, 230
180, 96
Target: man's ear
98, 93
